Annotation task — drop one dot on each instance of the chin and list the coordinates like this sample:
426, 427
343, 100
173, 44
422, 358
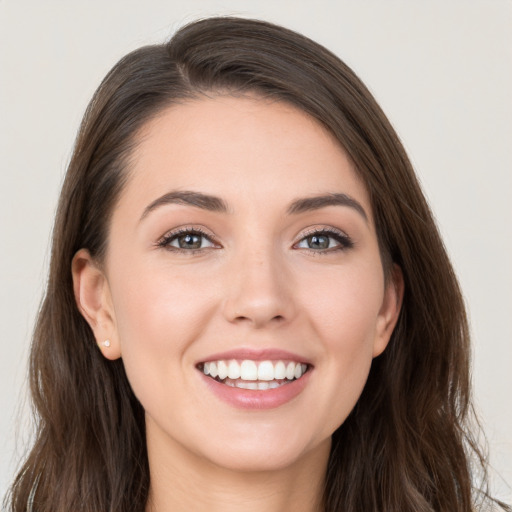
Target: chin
264, 454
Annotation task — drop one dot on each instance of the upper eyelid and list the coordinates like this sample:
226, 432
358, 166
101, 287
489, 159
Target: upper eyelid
189, 229
343, 240
164, 240
322, 229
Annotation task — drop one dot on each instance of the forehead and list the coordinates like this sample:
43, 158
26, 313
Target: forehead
243, 149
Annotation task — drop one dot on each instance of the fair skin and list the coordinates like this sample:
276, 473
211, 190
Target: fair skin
255, 281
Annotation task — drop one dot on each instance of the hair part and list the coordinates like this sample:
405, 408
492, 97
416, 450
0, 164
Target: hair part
407, 445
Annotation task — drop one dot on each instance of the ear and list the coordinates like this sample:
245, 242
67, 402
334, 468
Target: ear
94, 301
390, 310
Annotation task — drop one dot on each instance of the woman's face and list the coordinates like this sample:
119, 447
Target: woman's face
243, 242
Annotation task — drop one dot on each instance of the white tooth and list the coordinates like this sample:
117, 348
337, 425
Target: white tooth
206, 368
233, 370
213, 369
248, 370
266, 370
280, 370
304, 368
290, 371
222, 369
273, 384
230, 383
263, 385
246, 385
298, 371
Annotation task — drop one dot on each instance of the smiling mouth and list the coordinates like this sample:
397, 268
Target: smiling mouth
254, 375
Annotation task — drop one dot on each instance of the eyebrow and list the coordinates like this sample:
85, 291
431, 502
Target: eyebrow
307, 204
216, 204
186, 197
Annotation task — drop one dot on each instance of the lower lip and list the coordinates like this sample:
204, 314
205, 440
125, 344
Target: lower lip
257, 399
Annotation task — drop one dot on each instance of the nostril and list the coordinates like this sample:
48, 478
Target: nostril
259, 321
257, 308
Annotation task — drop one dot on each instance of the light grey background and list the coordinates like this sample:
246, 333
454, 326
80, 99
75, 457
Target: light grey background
441, 69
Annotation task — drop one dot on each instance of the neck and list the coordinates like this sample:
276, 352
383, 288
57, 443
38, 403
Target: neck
184, 482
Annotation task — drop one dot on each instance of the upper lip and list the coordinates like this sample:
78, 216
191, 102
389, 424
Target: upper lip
266, 354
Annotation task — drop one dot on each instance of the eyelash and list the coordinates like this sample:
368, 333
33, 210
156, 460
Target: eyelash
343, 240
166, 240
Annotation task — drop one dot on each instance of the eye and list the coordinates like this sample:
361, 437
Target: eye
188, 240
325, 240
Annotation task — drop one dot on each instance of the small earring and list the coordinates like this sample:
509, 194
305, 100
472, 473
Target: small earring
106, 343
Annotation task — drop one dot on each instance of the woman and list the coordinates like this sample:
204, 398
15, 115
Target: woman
249, 304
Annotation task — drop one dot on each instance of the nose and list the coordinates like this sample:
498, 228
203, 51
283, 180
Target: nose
259, 290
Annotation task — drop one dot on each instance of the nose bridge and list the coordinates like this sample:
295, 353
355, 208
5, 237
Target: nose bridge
258, 291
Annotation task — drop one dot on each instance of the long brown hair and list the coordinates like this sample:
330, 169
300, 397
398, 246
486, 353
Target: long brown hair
406, 446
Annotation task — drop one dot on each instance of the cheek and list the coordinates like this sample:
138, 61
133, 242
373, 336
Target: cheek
157, 308
344, 315
158, 316
344, 305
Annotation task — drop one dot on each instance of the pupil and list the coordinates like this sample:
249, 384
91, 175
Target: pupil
319, 242
190, 241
